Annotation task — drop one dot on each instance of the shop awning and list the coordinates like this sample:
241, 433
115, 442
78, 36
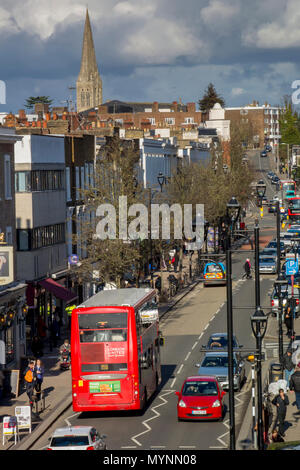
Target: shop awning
58, 291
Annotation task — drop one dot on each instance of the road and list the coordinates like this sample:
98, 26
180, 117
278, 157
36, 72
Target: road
186, 328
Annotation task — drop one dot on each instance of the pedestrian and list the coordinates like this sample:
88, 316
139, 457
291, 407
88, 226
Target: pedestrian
281, 401
288, 364
41, 328
295, 385
36, 347
29, 377
176, 261
39, 375
247, 268
288, 321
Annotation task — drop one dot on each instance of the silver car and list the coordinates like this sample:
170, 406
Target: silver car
77, 438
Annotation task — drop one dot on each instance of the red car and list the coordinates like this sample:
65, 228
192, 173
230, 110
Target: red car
201, 398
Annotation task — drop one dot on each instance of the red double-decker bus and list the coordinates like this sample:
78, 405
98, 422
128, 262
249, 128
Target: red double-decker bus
115, 350
294, 209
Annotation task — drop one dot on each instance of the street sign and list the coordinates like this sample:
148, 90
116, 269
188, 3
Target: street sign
291, 267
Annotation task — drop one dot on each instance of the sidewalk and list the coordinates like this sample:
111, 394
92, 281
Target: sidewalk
292, 422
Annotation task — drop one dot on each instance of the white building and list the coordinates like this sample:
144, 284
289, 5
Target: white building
217, 121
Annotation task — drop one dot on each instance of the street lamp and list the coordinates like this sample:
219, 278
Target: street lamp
259, 323
161, 180
261, 191
230, 348
279, 284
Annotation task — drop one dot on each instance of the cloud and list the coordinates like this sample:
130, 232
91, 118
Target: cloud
237, 91
158, 50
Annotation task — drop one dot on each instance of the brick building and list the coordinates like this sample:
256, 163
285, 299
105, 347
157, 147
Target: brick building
264, 119
150, 115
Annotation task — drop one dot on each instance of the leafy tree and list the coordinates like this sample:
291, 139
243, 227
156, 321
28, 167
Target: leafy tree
210, 98
32, 100
115, 176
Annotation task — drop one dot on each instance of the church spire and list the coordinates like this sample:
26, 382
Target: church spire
88, 57
89, 83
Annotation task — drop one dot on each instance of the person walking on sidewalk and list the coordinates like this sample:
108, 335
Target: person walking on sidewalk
39, 374
288, 365
29, 377
281, 401
295, 386
288, 321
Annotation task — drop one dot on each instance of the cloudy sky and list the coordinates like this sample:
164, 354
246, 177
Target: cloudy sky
158, 50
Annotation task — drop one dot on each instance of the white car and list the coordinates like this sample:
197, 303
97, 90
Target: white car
77, 438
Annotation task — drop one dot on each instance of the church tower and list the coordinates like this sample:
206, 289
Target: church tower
89, 83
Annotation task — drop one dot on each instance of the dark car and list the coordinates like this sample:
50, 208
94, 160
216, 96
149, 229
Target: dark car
275, 179
263, 153
268, 148
273, 244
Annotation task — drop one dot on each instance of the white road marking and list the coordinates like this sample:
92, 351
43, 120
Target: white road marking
187, 447
70, 417
173, 382
180, 369
187, 356
200, 336
195, 344
128, 447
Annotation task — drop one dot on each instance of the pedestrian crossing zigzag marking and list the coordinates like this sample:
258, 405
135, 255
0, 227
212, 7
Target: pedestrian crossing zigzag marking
157, 414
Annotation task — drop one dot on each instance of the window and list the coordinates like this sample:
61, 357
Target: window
189, 120
22, 181
39, 180
7, 177
9, 345
77, 182
40, 237
8, 238
68, 184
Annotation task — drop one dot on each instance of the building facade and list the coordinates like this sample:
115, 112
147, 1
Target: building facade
12, 292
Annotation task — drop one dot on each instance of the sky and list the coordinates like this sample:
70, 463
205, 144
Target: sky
158, 50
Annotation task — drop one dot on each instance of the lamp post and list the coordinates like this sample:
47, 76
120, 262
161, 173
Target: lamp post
233, 213
261, 191
161, 180
259, 323
278, 285
278, 238
257, 283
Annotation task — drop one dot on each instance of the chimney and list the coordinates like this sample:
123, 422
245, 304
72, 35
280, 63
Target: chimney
155, 107
191, 107
22, 114
175, 106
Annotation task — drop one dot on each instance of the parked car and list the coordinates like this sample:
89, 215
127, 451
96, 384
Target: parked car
220, 341
200, 398
286, 238
270, 174
268, 148
267, 264
263, 153
216, 363
77, 438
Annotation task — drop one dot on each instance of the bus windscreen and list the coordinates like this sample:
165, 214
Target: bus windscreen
103, 342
